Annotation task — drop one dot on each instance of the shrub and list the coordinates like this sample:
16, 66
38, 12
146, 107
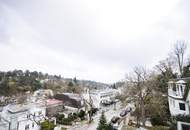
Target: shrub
59, 118
157, 120
173, 127
81, 114
159, 128
71, 117
74, 116
66, 121
47, 125
109, 127
184, 118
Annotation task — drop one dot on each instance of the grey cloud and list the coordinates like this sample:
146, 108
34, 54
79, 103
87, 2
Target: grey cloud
71, 28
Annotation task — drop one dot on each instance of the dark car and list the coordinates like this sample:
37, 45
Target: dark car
123, 113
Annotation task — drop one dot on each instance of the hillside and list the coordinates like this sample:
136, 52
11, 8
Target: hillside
18, 82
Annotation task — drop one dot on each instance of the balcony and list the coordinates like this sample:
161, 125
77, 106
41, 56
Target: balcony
175, 94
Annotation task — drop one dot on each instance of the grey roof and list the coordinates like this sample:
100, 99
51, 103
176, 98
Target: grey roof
17, 108
73, 96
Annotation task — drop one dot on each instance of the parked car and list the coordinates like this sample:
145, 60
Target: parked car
123, 113
106, 102
126, 111
115, 119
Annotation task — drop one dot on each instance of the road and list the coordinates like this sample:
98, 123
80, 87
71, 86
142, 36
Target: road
109, 113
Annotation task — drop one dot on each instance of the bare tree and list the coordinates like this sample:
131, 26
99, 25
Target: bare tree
139, 90
167, 65
88, 103
179, 51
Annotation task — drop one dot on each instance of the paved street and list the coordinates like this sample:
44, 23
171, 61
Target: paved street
109, 113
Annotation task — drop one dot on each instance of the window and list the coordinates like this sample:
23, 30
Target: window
181, 88
182, 106
174, 88
26, 127
185, 127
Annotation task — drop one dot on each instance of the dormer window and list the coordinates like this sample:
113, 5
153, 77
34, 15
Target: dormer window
171, 84
174, 88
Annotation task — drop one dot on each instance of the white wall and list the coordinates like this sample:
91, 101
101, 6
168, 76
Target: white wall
22, 125
4, 126
174, 107
19, 120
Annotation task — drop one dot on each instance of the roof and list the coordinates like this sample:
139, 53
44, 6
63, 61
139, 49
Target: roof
53, 102
185, 79
70, 99
171, 82
17, 108
181, 82
73, 96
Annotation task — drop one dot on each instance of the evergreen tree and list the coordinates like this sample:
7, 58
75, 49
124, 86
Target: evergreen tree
70, 84
109, 127
75, 80
186, 71
102, 123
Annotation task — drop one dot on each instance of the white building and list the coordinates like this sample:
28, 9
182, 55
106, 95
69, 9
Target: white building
100, 96
178, 103
43, 93
179, 97
22, 117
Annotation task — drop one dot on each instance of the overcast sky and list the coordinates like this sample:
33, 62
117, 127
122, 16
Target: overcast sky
98, 40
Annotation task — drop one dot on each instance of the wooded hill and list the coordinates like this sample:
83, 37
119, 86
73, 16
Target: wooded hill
18, 81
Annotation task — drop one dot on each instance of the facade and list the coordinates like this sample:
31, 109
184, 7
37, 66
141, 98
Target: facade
22, 117
179, 100
43, 93
4, 125
100, 96
53, 107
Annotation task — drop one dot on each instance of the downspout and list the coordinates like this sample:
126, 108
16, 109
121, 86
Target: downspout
17, 125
